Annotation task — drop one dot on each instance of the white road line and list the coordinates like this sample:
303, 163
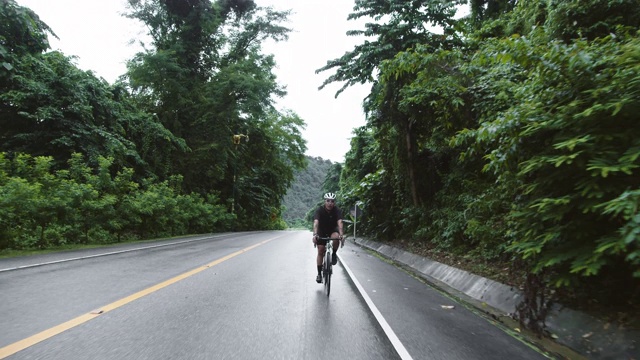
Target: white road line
397, 344
105, 254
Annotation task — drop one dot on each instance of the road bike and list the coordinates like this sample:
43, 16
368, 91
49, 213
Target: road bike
327, 267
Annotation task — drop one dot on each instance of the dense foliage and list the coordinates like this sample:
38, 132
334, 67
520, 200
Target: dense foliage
206, 79
188, 140
509, 136
41, 208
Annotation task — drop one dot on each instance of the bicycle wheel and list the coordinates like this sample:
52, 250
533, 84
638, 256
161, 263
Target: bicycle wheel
327, 273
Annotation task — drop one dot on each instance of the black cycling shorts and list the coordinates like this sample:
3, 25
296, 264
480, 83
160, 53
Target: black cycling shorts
321, 235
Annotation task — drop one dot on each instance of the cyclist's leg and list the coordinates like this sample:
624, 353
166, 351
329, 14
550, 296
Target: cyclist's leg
336, 244
336, 240
319, 258
321, 246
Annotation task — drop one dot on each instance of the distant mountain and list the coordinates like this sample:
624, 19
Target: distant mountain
305, 192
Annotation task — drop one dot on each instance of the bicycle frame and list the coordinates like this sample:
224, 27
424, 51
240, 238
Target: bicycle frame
327, 268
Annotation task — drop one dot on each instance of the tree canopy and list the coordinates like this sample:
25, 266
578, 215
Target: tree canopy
165, 130
506, 135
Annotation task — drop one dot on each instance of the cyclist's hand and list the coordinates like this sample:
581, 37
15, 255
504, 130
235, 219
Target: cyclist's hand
341, 241
315, 239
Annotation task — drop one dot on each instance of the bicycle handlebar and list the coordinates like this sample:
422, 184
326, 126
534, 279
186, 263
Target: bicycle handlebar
328, 238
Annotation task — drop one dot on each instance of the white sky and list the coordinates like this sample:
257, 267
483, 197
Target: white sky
94, 31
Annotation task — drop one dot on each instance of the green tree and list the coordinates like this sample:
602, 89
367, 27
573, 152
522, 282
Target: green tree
512, 145
207, 80
53, 108
50, 107
266, 166
395, 123
22, 33
398, 26
405, 26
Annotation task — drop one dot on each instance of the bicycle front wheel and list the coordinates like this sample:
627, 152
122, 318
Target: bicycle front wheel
327, 273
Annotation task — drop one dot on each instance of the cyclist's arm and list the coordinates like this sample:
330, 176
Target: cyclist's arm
315, 227
340, 231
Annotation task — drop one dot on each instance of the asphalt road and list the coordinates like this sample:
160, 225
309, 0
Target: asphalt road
233, 296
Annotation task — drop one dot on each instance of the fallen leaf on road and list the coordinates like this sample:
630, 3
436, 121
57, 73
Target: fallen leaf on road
587, 335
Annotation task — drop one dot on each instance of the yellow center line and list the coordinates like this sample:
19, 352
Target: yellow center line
51, 332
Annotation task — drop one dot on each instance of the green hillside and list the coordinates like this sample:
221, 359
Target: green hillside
305, 191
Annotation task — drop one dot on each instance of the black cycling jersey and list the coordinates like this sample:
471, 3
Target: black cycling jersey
327, 220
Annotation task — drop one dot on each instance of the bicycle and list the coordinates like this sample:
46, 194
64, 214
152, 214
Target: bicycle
327, 267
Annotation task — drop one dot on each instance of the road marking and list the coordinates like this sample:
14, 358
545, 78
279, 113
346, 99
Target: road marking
46, 334
108, 253
397, 344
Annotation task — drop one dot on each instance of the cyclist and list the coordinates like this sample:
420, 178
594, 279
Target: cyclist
327, 222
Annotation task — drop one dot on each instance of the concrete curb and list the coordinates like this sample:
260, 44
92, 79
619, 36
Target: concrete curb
591, 337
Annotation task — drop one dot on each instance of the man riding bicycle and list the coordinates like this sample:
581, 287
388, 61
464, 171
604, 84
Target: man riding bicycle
327, 223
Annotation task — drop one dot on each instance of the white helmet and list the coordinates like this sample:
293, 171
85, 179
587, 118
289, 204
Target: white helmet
330, 196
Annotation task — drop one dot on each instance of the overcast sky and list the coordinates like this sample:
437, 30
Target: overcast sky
94, 31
